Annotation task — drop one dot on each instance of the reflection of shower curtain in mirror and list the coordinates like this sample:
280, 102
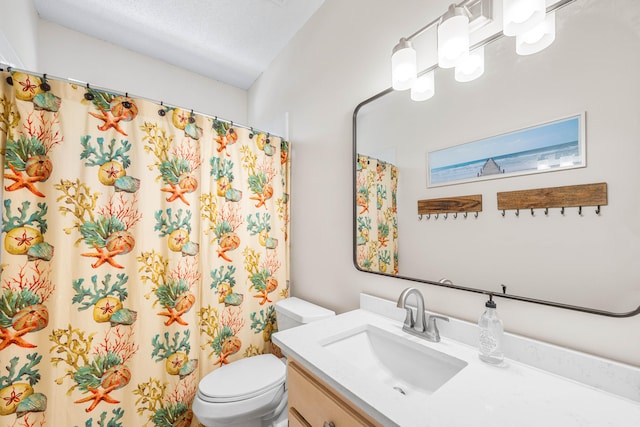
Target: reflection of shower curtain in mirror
377, 215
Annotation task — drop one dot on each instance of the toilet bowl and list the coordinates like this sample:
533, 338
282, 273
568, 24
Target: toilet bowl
252, 392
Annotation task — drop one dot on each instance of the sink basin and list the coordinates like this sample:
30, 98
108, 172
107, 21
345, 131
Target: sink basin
393, 360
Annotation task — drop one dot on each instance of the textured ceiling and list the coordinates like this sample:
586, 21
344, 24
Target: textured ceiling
232, 41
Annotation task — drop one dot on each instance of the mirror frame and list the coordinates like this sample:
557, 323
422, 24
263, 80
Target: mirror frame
447, 283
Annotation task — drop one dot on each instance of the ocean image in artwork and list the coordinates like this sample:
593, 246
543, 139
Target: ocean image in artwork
561, 155
554, 145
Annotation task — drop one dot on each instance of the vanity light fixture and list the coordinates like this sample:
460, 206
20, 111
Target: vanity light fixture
404, 69
453, 36
537, 38
528, 20
470, 66
424, 87
520, 16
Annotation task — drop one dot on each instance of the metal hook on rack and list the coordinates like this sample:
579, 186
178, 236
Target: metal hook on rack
562, 211
437, 215
420, 217
580, 210
503, 213
546, 211
455, 215
517, 212
446, 215
428, 216
465, 214
532, 214
476, 215
598, 210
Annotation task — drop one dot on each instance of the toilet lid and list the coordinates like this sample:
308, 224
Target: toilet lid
243, 379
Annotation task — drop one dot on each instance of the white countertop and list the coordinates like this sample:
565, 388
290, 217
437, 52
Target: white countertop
480, 395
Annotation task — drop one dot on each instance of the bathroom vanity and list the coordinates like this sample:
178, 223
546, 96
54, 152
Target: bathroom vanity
360, 368
312, 402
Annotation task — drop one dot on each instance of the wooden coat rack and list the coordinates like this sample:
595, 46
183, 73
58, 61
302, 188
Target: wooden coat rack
555, 197
447, 205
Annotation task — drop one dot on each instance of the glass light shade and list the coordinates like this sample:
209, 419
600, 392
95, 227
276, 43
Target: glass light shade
519, 16
470, 66
453, 39
538, 38
403, 65
424, 87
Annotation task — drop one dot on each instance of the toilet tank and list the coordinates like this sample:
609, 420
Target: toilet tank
292, 312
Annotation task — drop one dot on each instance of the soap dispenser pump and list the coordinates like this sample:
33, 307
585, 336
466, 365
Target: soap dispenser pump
491, 332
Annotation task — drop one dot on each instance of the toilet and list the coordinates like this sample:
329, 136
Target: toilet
252, 392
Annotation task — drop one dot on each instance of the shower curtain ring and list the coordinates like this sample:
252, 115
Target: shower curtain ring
88, 96
44, 85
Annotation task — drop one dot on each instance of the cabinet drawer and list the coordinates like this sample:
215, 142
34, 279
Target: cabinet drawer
318, 404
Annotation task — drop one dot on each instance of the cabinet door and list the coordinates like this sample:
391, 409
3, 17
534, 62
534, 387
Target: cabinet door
318, 404
296, 420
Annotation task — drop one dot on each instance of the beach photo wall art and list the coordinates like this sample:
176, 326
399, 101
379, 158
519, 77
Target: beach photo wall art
551, 146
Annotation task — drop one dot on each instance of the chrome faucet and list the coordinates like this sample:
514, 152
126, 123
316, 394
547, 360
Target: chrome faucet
424, 325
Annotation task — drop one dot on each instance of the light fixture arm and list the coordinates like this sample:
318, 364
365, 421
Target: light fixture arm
436, 21
464, 3
483, 42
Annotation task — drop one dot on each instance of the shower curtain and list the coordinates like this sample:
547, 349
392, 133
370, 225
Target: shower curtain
376, 215
143, 246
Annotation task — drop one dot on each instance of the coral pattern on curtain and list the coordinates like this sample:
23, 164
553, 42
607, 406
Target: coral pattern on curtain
143, 247
376, 215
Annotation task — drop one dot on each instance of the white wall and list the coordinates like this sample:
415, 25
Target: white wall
18, 33
339, 59
68, 54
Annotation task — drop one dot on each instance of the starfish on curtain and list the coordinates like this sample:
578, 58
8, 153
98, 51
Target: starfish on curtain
22, 181
9, 338
177, 193
98, 395
103, 256
109, 121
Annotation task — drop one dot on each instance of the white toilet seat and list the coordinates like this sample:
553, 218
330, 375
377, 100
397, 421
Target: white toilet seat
244, 379
248, 388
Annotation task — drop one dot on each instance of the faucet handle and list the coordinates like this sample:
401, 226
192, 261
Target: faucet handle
431, 327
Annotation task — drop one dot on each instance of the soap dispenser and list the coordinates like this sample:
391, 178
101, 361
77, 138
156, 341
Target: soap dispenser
491, 332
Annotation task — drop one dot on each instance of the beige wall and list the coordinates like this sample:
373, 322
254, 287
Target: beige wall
66, 53
339, 59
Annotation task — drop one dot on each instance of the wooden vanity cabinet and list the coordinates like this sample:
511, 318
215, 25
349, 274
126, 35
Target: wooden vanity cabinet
312, 403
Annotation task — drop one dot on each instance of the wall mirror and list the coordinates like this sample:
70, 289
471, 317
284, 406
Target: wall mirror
578, 257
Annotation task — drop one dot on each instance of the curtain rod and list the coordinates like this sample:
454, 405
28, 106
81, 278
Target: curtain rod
155, 101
